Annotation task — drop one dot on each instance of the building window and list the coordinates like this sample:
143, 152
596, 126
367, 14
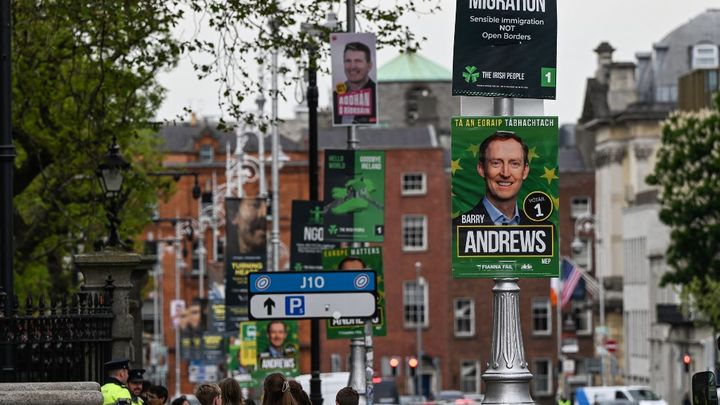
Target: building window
705, 56
464, 317
415, 298
541, 316
584, 322
220, 254
413, 184
414, 233
207, 153
413, 101
583, 257
542, 377
470, 376
580, 206
206, 201
335, 365
195, 258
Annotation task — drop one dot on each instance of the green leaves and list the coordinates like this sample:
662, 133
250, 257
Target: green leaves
687, 172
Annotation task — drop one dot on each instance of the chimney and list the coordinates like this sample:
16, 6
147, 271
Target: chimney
604, 57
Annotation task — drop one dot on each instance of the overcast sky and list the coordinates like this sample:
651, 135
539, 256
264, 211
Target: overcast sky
630, 26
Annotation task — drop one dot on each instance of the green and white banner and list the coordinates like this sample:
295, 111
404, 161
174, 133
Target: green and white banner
505, 197
357, 258
278, 349
505, 48
354, 196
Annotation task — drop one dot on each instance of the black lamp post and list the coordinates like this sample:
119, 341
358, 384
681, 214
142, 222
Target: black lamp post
111, 173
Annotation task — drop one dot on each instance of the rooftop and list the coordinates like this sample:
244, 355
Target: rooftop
412, 67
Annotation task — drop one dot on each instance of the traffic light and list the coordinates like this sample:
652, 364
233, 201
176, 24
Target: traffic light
687, 359
413, 363
394, 363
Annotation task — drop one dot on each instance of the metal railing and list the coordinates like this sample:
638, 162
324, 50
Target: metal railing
68, 340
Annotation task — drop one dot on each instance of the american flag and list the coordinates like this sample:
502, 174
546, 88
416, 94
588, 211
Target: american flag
571, 276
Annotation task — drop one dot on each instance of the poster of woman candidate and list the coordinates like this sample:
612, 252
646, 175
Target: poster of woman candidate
505, 197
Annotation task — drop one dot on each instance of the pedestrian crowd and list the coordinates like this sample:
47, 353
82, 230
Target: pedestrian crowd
125, 386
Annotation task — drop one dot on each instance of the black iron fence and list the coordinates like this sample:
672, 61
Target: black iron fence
67, 340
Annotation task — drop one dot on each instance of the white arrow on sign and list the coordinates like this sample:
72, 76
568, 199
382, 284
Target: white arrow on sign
304, 306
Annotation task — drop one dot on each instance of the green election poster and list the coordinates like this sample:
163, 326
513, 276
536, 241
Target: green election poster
354, 192
505, 197
357, 258
278, 349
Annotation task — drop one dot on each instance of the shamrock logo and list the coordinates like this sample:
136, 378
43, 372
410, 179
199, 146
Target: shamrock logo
332, 229
298, 266
470, 74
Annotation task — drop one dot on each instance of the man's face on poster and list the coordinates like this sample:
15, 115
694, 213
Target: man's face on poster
250, 223
277, 335
504, 170
357, 67
352, 264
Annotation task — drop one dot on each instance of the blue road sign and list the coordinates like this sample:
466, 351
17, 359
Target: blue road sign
306, 295
305, 282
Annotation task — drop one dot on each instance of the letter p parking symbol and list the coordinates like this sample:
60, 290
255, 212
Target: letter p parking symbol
295, 305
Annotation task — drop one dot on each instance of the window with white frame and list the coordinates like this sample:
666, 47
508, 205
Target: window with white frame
580, 206
584, 322
413, 184
464, 317
414, 233
705, 56
207, 153
470, 376
541, 316
583, 257
415, 308
542, 377
335, 365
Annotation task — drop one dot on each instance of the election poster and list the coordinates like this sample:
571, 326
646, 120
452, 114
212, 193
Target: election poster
354, 77
278, 349
357, 258
245, 252
354, 192
307, 236
242, 354
505, 197
505, 48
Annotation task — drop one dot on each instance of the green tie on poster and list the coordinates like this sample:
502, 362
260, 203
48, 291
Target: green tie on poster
354, 196
357, 258
505, 197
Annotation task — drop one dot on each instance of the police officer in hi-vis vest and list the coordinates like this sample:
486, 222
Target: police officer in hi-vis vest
115, 390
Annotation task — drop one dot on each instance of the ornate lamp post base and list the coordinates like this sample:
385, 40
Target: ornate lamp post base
507, 378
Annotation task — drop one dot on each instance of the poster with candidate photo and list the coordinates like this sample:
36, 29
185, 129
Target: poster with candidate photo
278, 349
505, 197
505, 49
245, 252
354, 78
357, 258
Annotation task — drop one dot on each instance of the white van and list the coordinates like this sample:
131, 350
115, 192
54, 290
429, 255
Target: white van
330, 384
641, 395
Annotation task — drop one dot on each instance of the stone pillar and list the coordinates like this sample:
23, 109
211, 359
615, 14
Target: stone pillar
139, 278
125, 270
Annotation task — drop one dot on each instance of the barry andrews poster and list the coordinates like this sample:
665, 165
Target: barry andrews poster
505, 197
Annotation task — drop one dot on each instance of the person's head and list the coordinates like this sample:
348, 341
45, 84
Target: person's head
231, 392
276, 390
351, 263
347, 396
208, 394
277, 333
157, 395
301, 397
357, 64
118, 369
503, 162
250, 222
135, 381
180, 401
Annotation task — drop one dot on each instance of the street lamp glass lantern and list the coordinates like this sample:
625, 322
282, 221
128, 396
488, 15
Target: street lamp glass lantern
111, 171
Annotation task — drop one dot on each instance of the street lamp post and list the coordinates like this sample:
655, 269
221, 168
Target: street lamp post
586, 223
111, 173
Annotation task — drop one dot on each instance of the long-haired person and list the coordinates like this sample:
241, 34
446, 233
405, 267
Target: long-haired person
276, 390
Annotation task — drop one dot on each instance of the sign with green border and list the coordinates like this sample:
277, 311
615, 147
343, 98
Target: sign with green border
522, 185
285, 358
354, 196
505, 49
356, 258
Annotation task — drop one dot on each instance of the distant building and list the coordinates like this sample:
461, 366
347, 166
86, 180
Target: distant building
619, 131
